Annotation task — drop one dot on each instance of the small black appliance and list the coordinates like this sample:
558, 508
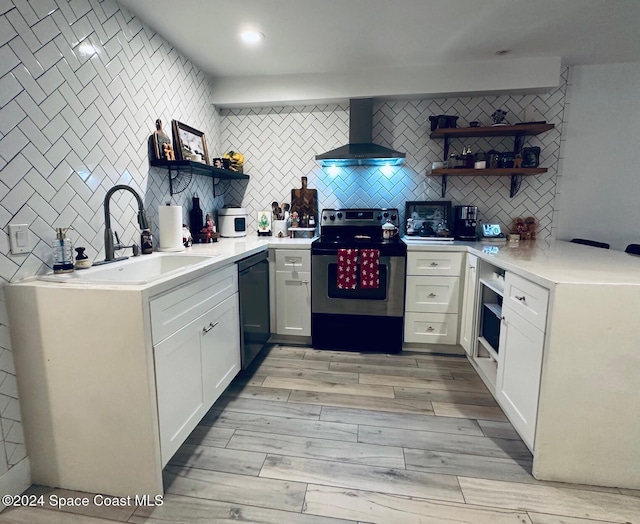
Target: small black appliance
464, 222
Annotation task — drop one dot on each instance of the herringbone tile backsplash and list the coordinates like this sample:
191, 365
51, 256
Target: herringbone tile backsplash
280, 145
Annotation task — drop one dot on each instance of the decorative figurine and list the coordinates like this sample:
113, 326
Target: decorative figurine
161, 144
517, 161
498, 117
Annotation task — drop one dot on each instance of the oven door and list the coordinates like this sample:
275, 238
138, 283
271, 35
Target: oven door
387, 300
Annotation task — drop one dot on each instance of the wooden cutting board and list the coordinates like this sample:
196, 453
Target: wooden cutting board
305, 202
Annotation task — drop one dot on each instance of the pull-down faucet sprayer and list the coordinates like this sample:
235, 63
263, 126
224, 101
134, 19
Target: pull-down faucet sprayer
109, 248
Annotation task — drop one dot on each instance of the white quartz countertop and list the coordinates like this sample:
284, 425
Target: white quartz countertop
224, 252
549, 261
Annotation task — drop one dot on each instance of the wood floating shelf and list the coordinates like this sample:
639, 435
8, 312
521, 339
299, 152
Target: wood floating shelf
518, 132
197, 168
492, 172
465, 132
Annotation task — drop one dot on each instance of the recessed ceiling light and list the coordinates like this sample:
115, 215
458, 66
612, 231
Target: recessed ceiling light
251, 36
503, 52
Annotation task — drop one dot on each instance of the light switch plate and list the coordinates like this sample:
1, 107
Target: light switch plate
19, 238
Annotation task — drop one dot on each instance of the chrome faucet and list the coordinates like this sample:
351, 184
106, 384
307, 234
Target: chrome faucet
109, 248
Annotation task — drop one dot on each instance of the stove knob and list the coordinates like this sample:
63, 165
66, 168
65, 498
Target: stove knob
332, 217
339, 215
324, 217
386, 215
393, 217
379, 217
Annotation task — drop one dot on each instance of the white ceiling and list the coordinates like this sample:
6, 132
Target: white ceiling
354, 37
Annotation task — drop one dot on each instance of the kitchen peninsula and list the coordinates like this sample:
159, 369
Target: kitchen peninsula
584, 303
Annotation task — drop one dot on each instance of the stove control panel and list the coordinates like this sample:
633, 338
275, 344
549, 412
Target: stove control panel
359, 217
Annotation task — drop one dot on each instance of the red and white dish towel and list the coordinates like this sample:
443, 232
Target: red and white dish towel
348, 266
369, 268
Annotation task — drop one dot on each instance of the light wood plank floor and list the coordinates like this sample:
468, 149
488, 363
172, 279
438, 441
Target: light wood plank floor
330, 437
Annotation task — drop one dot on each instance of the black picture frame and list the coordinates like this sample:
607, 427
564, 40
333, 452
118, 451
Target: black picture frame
188, 141
530, 156
433, 215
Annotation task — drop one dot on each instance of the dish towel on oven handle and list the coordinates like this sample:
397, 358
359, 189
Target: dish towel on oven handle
369, 268
347, 267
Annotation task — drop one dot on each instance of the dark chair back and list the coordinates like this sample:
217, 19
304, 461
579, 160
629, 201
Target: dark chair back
633, 249
592, 243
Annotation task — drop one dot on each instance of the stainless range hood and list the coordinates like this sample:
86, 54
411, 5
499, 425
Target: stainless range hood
361, 151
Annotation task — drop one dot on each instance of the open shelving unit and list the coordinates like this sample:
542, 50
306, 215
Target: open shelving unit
491, 292
179, 169
518, 132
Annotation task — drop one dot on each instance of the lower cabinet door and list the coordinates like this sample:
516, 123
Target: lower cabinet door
179, 387
193, 368
220, 348
293, 303
519, 370
430, 328
468, 321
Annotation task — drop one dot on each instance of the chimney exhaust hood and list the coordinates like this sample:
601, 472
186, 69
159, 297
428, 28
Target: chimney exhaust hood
361, 151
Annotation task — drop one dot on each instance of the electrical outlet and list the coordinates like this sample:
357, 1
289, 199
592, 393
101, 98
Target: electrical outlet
19, 238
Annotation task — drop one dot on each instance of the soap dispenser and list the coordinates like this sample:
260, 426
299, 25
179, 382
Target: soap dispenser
62, 251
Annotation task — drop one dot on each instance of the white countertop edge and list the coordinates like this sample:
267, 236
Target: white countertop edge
549, 262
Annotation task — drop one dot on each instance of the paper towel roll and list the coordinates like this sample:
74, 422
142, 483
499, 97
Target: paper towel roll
170, 224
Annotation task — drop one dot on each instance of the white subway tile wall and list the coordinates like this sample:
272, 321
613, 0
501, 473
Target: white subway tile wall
81, 85
280, 145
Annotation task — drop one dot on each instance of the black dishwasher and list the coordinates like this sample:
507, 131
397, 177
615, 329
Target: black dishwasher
253, 282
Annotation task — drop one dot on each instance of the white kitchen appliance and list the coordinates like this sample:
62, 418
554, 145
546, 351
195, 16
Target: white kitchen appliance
232, 222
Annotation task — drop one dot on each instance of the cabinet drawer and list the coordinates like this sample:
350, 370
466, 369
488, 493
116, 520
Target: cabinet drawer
432, 294
430, 328
527, 299
293, 260
178, 307
434, 263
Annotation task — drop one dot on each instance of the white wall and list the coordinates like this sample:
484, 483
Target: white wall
599, 185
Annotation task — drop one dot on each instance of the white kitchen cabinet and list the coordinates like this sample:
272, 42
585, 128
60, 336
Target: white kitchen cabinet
467, 322
524, 317
519, 369
432, 297
193, 368
293, 292
113, 381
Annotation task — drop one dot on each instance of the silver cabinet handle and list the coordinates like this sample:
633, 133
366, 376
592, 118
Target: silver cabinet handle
521, 299
429, 328
434, 264
431, 295
305, 281
208, 328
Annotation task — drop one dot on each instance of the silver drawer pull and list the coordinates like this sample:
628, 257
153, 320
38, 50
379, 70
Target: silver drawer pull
431, 295
208, 328
521, 299
434, 264
429, 328
305, 281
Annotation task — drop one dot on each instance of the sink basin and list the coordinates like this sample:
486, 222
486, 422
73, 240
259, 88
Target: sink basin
134, 271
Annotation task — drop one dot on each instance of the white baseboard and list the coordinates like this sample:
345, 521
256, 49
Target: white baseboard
15, 480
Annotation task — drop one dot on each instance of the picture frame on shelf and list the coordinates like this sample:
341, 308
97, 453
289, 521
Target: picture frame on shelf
189, 143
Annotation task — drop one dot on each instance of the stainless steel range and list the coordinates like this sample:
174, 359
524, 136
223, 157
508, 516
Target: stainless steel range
357, 298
